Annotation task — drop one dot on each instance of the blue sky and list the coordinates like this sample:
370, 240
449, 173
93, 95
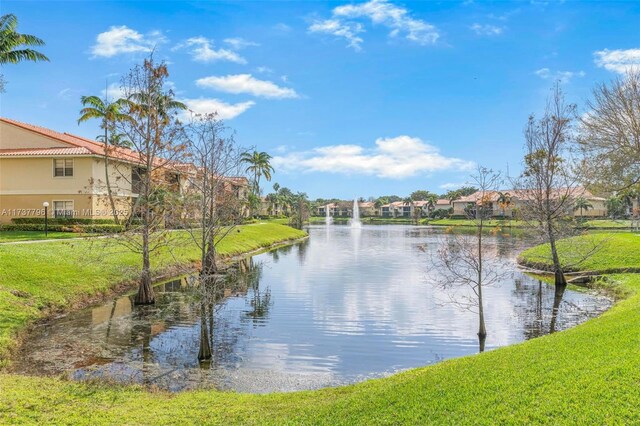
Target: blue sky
351, 98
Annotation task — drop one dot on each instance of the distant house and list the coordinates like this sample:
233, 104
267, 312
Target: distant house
519, 198
397, 209
367, 209
39, 165
443, 204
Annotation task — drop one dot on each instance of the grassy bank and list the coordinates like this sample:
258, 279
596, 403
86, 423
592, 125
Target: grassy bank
586, 375
38, 277
614, 253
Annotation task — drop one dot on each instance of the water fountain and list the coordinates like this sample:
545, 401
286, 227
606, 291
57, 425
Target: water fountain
355, 221
327, 219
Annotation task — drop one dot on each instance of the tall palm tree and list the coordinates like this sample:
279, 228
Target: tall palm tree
258, 163
14, 46
108, 113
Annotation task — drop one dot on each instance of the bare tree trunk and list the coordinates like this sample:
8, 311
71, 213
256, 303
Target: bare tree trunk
560, 279
482, 329
209, 266
145, 294
205, 349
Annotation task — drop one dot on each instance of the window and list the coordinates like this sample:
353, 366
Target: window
63, 209
62, 168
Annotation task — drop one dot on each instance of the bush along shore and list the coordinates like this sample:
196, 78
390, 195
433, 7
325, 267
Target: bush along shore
585, 375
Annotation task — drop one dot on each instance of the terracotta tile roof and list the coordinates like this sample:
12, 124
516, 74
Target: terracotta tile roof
94, 147
443, 202
44, 151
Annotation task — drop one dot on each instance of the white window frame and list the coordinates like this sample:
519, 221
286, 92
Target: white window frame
73, 207
64, 176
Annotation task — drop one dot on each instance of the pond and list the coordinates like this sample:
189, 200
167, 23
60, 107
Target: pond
344, 306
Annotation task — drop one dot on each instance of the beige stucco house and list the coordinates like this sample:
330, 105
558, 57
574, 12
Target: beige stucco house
39, 165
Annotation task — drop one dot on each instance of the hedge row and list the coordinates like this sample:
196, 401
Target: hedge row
62, 221
84, 229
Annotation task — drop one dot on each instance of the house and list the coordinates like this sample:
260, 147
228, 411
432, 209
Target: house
443, 204
367, 209
39, 165
397, 209
517, 199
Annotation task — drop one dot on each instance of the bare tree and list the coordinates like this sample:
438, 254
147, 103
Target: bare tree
610, 135
215, 192
549, 184
153, 132
461, 265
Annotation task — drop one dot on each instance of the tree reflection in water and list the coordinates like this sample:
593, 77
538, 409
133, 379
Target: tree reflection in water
540, 310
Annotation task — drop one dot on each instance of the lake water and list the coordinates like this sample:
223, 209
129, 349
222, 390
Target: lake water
342, 307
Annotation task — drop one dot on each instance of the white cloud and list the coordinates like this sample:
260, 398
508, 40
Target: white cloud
67, 93
347, 30
264, 70
379, 12
618, 60
453, 185
124, 40
112, 92
224, 110
202, 50
486, 29
238, 43
246, 83
566, 76
395, 158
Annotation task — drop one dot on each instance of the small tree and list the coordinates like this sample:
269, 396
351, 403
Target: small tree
548, 184
214, 201
300, 210
461, 262
154, 133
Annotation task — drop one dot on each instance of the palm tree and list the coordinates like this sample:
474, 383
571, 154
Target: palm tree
14, 46
432, 200
258, 163
408, 201
581, 204
109, 113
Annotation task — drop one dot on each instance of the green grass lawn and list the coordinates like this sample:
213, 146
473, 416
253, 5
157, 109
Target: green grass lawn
615, 252
586, 375
11, 236
607, 224
57, 274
